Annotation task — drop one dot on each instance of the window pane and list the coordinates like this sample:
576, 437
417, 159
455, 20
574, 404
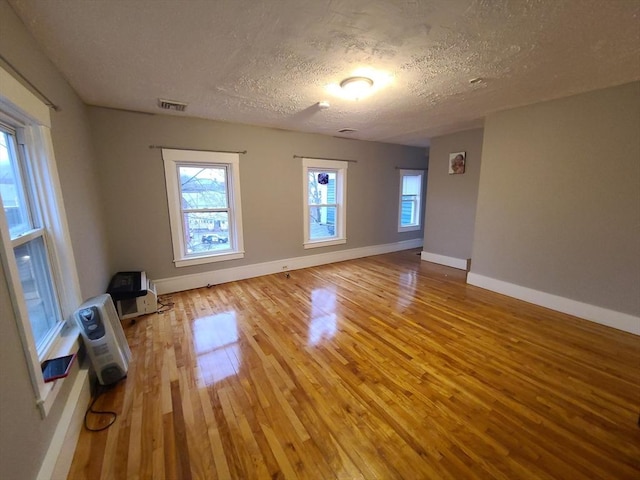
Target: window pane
322, 222
11, 188
411, 184
410, 200
409, 211
203, 187
322, 187
37, 285
206, 232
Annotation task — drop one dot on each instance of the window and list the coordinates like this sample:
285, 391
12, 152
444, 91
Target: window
325, 199
35, 247
28, 241
409, 217
203, 191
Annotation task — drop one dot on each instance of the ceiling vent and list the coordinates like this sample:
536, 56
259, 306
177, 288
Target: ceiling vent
347, 130
172, 105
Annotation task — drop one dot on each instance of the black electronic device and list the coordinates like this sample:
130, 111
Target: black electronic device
127, 285
55, 368
133, 294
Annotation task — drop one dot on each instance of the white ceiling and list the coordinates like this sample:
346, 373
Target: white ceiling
268, 63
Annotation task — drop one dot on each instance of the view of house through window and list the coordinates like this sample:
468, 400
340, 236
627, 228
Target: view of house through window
325, 202
28, 240
323, 206
410, 200
205, 207
203, 190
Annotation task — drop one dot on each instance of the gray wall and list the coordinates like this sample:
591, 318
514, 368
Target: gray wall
132, 178
559, 200
451, 199
24, 437
73, 150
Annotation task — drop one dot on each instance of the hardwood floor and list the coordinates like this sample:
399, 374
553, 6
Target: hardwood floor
379, 368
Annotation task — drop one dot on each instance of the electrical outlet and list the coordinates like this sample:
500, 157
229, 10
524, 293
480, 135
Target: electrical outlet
285, 267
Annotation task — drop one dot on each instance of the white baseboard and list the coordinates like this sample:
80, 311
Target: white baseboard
215, 277
604, 316
59, 456
459, 263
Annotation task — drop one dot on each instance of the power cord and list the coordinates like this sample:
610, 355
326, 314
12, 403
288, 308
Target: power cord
165, 304
100, 389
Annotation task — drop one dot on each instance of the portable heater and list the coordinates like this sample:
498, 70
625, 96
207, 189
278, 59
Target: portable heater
104, 338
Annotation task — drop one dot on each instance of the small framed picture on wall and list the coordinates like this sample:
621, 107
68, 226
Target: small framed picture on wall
456, 162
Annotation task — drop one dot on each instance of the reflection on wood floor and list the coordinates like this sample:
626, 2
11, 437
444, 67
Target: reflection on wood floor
379, 368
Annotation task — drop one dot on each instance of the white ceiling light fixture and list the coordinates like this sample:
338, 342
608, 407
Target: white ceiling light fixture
362, 82
356, 87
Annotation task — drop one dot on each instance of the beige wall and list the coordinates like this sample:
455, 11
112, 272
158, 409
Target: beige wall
451, 199
24, 437
132, 178
559, 199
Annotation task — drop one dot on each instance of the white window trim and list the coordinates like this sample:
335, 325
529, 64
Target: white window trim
26, 110
410, 228
341, 198
172, 159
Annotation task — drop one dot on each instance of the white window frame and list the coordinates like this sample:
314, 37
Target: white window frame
30, 117
418, 225
173, 159
340, 167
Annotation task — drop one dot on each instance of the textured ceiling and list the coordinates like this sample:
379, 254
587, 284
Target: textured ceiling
269, 62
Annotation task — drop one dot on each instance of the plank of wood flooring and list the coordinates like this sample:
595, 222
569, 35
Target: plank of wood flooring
245, 451
281, 457
111, 447
170, 452
201, 458
121, 458
179, 428
215, 441
81, 459
156, 438
135, 440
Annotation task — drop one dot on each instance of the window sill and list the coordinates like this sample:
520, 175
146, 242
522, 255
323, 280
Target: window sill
325, 243
410, 228
66, 344
221, 257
